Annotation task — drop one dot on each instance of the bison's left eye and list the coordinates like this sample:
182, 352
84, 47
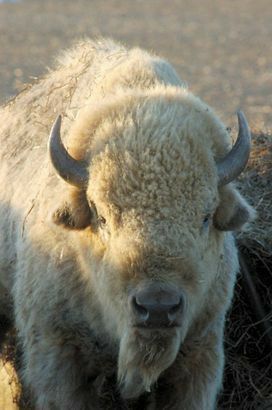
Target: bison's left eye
103, 228
206, 221
101, 220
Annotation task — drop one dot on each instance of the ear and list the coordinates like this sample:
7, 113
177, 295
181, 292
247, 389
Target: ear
75, 213
233, 210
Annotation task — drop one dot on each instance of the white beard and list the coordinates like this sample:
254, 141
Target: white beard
143, 355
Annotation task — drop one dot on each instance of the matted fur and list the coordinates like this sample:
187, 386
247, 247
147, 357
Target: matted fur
71, 258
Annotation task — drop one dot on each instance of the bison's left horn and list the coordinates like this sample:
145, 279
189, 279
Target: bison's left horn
72, 171
235, 161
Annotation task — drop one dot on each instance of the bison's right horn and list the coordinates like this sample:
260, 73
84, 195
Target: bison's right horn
235, 161
72, 171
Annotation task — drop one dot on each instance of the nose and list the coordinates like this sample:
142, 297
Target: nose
157, 307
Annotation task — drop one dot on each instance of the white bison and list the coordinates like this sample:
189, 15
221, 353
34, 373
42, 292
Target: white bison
119, 280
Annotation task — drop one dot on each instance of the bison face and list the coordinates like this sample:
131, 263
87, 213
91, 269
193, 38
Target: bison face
153, 205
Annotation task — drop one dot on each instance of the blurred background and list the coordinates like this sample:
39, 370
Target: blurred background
221, 48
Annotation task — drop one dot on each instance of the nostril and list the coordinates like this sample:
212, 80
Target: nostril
141, 311
174, 310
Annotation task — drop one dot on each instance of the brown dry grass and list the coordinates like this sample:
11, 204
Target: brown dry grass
248, 373
256, 185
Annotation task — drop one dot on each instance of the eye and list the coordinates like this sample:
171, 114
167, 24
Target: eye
101, 220
103, 228
206, 221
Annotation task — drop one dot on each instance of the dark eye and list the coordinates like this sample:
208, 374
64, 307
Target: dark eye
101, 220
206, 221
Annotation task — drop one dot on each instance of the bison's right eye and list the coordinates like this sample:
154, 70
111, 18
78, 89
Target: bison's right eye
99, 218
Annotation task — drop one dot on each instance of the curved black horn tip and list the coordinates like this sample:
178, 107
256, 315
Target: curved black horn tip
71, 170
243, 124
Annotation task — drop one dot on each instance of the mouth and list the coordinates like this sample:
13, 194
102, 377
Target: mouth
154, 334
154, 327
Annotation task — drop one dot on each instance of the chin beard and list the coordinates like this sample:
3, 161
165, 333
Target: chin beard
143, 355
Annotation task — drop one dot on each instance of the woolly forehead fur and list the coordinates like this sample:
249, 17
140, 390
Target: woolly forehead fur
151, 150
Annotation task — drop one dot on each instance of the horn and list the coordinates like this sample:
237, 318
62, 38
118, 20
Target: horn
235, 161
72, 171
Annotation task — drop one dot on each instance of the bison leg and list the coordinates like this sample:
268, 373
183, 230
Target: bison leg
62, 376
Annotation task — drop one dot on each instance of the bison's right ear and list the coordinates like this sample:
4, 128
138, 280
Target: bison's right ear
75, 213
233, 210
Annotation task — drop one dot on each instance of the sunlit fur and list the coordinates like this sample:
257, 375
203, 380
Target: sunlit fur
152, 149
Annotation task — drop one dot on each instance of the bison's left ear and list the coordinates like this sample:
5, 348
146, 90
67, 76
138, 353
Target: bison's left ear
233, 210
75, 212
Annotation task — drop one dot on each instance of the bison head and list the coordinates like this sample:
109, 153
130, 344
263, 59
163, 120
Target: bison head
150, 202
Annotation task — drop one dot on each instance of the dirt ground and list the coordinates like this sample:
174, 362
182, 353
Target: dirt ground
221, 48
